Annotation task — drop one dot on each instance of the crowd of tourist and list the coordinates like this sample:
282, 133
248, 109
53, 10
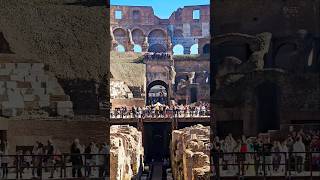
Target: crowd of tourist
162, 111
155, 56
90, 160
299, 151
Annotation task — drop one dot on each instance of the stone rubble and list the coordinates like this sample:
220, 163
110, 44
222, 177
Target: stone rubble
126, 152
190, 153
119, 90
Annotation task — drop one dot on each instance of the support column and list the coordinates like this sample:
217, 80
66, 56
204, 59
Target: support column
130, 44
141, 128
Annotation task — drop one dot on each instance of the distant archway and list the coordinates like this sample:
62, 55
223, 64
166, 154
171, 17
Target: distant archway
120, 36
178, 49
137, 36
286, 56
157, 91
157, 48
206, 49
120, 48
157, 37
137, 48
194, 49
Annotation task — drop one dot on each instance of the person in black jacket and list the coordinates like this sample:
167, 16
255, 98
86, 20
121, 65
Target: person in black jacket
88, 160
76, 158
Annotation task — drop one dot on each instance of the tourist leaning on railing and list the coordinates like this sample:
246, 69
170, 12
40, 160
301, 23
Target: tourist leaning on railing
257, 155
162, 111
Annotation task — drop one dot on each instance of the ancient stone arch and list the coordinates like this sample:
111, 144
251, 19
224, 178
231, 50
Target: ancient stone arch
138, 36
286, 56
194, 47
177, 48
206, 49
121, 37
161, 83
158, 37
157, 48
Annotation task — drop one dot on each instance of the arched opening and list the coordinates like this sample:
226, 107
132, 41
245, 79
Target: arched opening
194, 49
137, 48
157, 91
120, 48
178, 49
157, 37
206, 49
120, 36
268, 117
137, 36
286, 56
157, 48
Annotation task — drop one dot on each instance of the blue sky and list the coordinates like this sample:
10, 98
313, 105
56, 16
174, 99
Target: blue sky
162, 8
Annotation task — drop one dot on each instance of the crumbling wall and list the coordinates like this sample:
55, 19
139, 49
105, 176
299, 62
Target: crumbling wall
126, 152
190, 153
25, 87
71, 39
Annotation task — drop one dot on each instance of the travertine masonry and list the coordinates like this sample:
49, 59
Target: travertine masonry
190, 153
126, 152
25, 87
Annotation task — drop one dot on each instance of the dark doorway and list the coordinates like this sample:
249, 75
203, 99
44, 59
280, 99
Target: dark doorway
157, 140
194, 95
157, 91
268, 118
206, 49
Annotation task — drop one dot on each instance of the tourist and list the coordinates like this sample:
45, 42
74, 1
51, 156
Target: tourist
88, 159
76, 158
38, 152
50, 157
299, 154
104, 152
267, 149
28, 159
4, 159
284, 156
276, 156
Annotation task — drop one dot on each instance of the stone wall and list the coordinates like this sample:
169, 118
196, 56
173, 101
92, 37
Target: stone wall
281, 18
190, 153
70, 38
126, 152
61, 131
137, 102
26, 87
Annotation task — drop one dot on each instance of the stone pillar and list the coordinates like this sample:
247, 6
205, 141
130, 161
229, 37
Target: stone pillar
130, 44
186, 50
145, 45
141, 128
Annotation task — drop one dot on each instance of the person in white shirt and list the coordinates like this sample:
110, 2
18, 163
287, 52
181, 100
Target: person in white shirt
299, 150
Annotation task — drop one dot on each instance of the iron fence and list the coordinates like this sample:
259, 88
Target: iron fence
120, 114
265, 164
62, 166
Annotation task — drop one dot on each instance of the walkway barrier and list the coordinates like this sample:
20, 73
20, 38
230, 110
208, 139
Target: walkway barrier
266, 164
64, 166
120, 114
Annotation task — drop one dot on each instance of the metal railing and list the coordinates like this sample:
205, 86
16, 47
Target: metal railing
54, 166
266, 164
120, 114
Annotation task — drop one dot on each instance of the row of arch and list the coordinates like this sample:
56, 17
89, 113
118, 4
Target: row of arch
156, 40
177, 49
